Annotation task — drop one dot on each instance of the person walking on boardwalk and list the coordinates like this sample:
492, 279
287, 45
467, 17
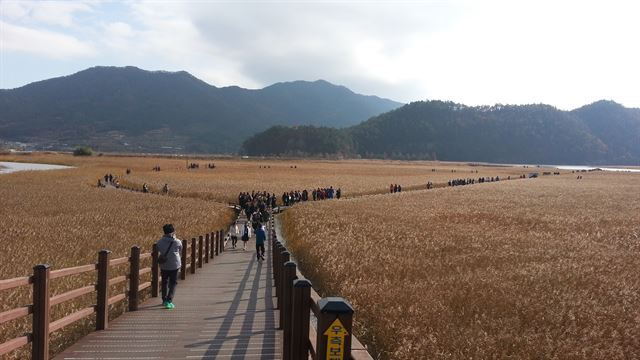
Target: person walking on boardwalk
261, 237
234, 236
246, 234
169, 248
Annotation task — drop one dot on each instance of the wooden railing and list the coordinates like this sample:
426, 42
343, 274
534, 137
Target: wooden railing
208, 246
332, 337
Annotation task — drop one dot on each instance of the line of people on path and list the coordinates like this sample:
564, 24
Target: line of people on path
109, 179
469, 181
165, 189
197, 165
259, 199
395, 188
292, 197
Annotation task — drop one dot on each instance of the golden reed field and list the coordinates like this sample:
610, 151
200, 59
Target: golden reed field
541, 268
534, 268
61, 218
231, 176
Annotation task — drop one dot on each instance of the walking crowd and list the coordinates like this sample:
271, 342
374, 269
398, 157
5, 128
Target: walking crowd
292, 197
109, 179
255, 205
469, 181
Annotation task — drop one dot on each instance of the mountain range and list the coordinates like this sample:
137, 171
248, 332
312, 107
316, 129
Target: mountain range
603, 132
129, 109
126, 109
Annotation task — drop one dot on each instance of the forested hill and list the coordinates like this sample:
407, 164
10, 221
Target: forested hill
603, 132
129, 109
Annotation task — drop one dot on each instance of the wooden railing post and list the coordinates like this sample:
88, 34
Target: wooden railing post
102, 291
134, 277
40, 345
300, 310
193, 255
200, 251
206, 248
213, 243
289, 276
334, 328
277, 254
284, 257
183, 259
217, 242
154, 271
221, 240
274, 259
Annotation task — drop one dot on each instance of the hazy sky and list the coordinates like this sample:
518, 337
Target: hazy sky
564, 53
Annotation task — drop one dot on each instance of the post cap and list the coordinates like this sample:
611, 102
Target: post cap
290, 264
335, 305
301, 283
285, 252
41, 267
105, 251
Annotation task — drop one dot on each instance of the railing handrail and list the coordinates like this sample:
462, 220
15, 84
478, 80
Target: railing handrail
15, 282
285, 296
133, 275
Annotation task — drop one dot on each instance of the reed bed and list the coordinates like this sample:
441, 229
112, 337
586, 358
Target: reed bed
61, 218
534, 269
232, 176
456, 251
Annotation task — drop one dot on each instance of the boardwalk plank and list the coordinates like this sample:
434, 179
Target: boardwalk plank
224, 311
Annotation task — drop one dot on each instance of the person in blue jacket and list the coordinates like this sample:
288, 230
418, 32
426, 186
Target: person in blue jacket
261, 237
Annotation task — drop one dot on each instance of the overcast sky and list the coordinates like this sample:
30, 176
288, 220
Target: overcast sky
563, 53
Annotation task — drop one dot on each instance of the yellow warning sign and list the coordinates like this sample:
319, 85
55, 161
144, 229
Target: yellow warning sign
335, 340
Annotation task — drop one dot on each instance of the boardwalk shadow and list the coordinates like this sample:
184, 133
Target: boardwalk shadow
241, 337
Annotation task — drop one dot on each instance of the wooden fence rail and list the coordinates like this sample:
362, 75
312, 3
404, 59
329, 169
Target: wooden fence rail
42, 301
332, 336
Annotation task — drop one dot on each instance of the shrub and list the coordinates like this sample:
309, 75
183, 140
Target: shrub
83, 151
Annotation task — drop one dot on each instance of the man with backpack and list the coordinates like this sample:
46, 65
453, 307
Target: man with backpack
169, 248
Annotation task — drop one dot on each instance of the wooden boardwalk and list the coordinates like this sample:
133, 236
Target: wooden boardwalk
225, 311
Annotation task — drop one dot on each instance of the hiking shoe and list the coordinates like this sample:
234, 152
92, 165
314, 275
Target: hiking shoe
164, 303
170, 306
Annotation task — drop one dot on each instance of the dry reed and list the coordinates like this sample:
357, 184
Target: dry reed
61, 218
534, 269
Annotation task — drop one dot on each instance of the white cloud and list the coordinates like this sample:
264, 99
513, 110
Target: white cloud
119, 36
564, 53
42, 42
60, 13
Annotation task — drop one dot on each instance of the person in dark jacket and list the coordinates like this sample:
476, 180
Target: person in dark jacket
169, 248
246, 234
261, 237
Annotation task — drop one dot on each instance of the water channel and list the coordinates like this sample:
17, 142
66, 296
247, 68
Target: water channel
11, 167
